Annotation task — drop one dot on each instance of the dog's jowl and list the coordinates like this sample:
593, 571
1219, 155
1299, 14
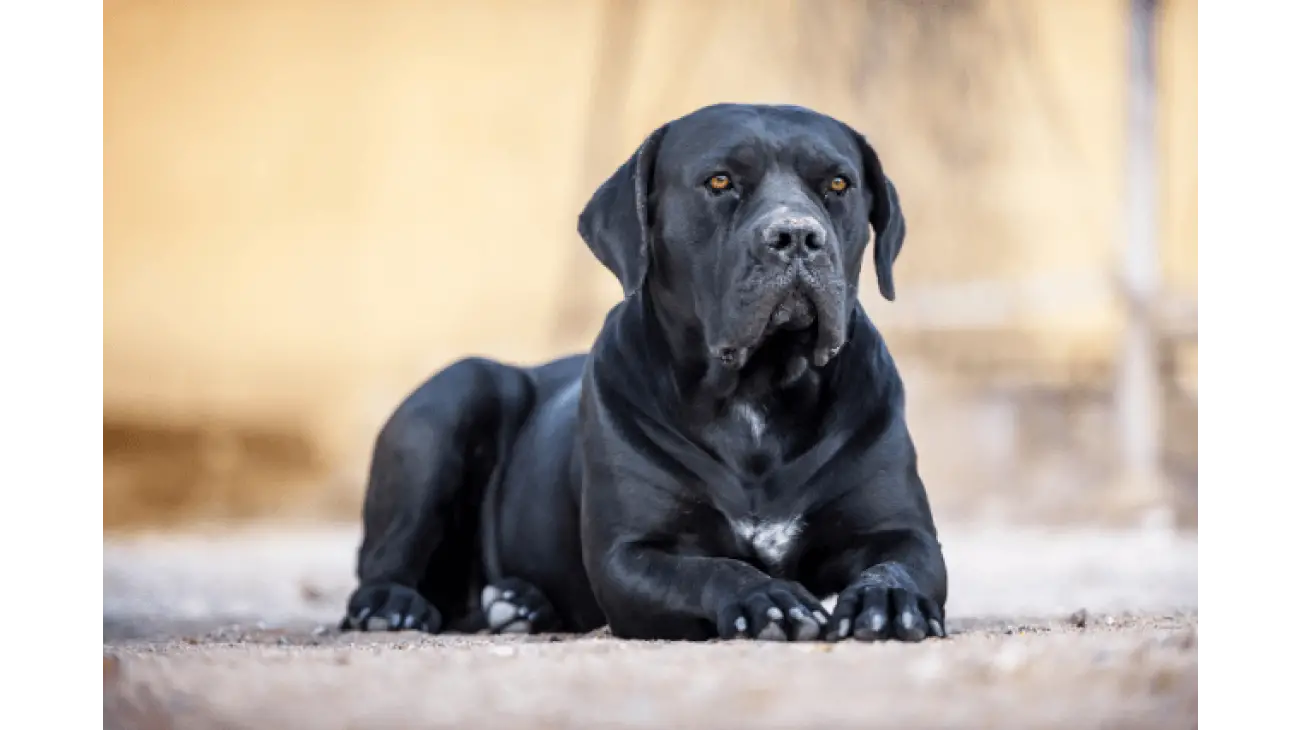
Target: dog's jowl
732, 450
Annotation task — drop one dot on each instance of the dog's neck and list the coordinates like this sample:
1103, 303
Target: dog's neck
753, 421
756, 427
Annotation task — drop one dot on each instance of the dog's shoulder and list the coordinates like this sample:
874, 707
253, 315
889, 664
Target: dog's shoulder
558, 374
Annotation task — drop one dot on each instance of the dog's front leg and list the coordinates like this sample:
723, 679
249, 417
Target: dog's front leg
649, 593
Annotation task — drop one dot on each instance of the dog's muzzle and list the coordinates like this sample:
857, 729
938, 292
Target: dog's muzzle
795, 312
800, 297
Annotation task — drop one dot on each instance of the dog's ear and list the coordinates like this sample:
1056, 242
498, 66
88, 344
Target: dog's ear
616, 222
886, 216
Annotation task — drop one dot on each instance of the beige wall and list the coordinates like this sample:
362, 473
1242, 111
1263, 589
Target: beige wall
311, 205
1176, 75
302, 197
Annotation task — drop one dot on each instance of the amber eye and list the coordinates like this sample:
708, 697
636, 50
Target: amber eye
719, 183
838, 184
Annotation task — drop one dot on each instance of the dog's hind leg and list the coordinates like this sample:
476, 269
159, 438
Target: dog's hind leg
419, 561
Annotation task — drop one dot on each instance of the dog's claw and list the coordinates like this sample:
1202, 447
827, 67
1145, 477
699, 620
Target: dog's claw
390, 607
806, 626
877, 622
773, 611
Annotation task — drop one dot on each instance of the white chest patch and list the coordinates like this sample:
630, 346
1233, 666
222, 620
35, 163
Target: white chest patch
771, 540
750, 416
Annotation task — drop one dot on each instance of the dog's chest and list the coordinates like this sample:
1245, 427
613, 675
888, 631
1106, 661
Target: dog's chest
750, 441
746, 438
772, 541
751, 420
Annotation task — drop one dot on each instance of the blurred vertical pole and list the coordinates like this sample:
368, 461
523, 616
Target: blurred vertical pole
578, 314
1138, 393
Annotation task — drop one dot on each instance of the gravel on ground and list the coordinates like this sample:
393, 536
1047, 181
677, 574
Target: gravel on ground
1069, 628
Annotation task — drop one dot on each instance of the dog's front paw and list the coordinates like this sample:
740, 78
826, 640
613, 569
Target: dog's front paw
776, 610
513, 606
390, 607
885, 604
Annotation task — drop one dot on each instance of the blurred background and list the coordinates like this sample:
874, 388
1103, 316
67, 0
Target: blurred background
311, 206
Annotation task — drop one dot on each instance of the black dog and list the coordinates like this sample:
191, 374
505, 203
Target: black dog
732, 449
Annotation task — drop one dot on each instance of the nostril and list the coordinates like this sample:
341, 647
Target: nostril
793, 239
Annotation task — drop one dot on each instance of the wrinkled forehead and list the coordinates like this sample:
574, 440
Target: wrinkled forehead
754, 140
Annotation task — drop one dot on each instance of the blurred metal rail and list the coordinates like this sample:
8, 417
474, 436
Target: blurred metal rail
1137, 386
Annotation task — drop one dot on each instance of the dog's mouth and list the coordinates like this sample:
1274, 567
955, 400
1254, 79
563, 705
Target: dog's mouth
796, 312
805, 314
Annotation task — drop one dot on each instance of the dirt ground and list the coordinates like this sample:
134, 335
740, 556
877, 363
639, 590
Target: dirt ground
1077, 629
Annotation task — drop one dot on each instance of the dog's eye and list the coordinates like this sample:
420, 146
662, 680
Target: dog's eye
719, 183
838, 184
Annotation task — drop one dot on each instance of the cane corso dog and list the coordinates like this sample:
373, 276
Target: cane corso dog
733, 448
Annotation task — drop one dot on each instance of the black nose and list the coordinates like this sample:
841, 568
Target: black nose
793, 238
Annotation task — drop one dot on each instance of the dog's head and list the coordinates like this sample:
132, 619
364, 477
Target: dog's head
745, 221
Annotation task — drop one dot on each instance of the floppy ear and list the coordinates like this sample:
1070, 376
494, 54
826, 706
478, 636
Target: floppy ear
616, 222
886, 217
